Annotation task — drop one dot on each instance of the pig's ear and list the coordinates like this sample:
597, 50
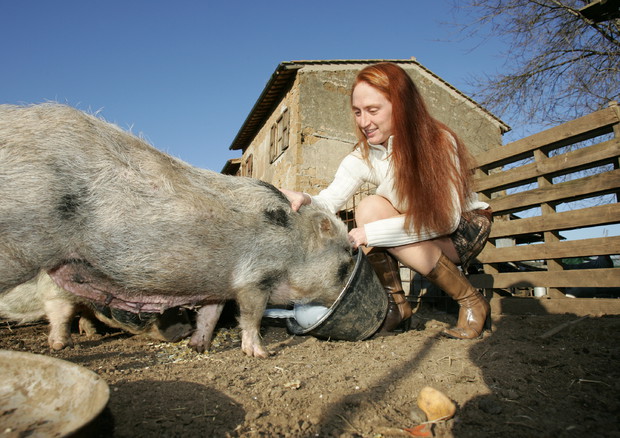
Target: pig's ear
323, 229
323, 226
326, 226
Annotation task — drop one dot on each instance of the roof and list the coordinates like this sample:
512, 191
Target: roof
282, 79
232, 166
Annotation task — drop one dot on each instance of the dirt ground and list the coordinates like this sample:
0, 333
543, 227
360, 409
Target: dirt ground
512, 382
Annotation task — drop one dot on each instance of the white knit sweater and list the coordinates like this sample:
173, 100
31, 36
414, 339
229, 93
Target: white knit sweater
354, 171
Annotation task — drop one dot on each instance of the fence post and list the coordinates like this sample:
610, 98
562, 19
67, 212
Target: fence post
549, 236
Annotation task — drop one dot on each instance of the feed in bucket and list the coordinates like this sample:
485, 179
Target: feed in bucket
307, 315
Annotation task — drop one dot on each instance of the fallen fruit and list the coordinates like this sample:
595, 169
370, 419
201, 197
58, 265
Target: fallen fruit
435, 404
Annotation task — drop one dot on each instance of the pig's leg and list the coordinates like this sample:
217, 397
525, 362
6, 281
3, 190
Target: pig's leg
86, 323
59, 312
206, 320
87, 326
251, 309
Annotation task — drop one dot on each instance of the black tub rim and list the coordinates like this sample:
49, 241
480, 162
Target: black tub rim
361, 263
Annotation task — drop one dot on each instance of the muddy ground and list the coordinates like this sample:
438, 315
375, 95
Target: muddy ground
510, 383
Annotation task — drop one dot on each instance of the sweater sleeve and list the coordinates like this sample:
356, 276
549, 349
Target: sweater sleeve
348, 179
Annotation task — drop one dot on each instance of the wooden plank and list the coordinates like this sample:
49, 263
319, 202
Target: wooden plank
567, 220
607, 182
554, 306
573, 161
606, 277
553, 250
591, 125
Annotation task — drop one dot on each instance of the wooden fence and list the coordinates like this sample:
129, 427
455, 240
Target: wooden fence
565, 178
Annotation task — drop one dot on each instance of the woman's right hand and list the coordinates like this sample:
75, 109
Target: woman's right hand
297, 199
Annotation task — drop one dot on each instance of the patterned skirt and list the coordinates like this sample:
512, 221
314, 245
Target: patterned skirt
471, 235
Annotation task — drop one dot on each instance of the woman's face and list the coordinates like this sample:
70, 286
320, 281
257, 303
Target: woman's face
373, 113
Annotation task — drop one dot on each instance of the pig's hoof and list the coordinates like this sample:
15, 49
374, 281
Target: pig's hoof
60, 345
199, 343
198, 347
256, 351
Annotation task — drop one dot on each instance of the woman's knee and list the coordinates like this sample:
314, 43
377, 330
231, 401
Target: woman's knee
373, 208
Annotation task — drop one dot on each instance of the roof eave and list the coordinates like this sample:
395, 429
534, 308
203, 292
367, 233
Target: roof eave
268, 99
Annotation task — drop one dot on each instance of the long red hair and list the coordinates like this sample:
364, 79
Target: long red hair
425, 161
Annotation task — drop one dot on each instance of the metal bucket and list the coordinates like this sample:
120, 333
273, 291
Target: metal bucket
357, 313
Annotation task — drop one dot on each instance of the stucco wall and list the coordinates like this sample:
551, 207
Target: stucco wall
327, 124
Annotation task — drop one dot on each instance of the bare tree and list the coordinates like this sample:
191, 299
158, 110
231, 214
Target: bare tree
560, 65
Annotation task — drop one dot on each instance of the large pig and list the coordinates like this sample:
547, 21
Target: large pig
114, 220
41, 298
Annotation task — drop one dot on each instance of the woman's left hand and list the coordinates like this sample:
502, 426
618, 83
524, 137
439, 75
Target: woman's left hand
297, 199
357, 237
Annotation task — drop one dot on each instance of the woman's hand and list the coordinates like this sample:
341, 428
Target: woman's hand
357, 237
297, 199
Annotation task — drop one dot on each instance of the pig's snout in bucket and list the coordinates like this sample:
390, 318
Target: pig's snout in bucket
357, 313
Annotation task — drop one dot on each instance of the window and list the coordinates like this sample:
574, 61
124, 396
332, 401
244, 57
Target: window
283, 132
279, 136
248, 166
273, 153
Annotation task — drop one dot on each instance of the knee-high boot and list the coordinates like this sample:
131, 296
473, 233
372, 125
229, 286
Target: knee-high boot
474, 310
386, 267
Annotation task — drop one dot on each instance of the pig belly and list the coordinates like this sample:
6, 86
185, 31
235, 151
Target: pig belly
81, 279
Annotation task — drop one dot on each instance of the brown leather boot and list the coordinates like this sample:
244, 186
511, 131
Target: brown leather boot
474, 311
399, 309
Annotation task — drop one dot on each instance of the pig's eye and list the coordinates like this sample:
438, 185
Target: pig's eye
343, 272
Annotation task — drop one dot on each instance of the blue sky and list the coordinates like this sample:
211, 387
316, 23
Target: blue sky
185, 74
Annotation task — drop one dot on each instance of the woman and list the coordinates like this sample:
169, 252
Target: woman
424, 212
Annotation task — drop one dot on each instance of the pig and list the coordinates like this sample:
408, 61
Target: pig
114, 220
41, 298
